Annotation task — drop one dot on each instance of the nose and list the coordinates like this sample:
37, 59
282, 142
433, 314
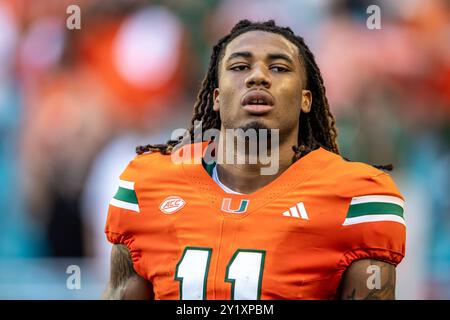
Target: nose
258, 77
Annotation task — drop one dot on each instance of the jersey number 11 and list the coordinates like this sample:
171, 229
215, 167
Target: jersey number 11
244, 272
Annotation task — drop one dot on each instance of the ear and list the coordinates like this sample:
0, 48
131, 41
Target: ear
306, 101
216, 99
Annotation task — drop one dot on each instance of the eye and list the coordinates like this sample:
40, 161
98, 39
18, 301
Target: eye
279, 69
239, 67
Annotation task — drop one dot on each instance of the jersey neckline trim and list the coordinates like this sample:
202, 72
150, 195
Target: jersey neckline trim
299, 172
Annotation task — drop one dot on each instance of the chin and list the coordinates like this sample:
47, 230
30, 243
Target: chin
255, 124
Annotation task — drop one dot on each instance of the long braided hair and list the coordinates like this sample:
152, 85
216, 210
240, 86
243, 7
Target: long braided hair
316, 128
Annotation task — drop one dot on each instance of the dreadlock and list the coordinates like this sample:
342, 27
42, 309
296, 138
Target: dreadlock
316, 128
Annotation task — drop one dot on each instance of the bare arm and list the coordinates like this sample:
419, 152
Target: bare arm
368, 279
124, 282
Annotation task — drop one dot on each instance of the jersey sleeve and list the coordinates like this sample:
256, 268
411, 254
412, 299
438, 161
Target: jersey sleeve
373, 226
124, 220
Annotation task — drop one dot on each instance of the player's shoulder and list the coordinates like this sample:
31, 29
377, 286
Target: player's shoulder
352, 178
149, 159
147, 164
140, 178
153, 167
344, 167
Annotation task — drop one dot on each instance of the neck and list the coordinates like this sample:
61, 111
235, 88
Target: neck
244, 171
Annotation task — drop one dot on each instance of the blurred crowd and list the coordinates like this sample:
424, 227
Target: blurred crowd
75, 103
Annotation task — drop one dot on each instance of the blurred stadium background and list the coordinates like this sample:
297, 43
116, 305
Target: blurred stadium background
75, 103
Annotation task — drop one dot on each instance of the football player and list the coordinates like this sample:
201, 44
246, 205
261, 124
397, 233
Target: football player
321, 227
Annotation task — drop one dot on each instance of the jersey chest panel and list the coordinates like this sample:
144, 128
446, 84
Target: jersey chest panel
296, 236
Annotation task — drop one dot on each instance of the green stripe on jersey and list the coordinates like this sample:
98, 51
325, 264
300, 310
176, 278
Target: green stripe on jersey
126, 195
208, 167
372, 208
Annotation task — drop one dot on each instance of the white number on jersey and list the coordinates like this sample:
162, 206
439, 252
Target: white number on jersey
244, 272
192, 272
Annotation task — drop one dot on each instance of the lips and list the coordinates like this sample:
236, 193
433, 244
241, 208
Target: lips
257, 102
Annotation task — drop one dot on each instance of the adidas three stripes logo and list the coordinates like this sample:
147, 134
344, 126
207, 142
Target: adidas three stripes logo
297, 211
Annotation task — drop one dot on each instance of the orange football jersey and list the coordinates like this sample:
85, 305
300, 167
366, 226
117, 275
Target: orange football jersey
291, 239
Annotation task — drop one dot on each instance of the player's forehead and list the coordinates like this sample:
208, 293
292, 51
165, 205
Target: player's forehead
261, 43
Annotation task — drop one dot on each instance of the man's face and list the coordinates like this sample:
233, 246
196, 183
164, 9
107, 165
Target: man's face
261, 83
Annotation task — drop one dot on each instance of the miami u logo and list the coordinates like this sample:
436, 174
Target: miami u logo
226, 206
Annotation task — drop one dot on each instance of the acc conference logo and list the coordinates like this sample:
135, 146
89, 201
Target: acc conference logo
172, 204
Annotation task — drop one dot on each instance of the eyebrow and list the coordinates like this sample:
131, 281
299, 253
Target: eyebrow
270, 56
